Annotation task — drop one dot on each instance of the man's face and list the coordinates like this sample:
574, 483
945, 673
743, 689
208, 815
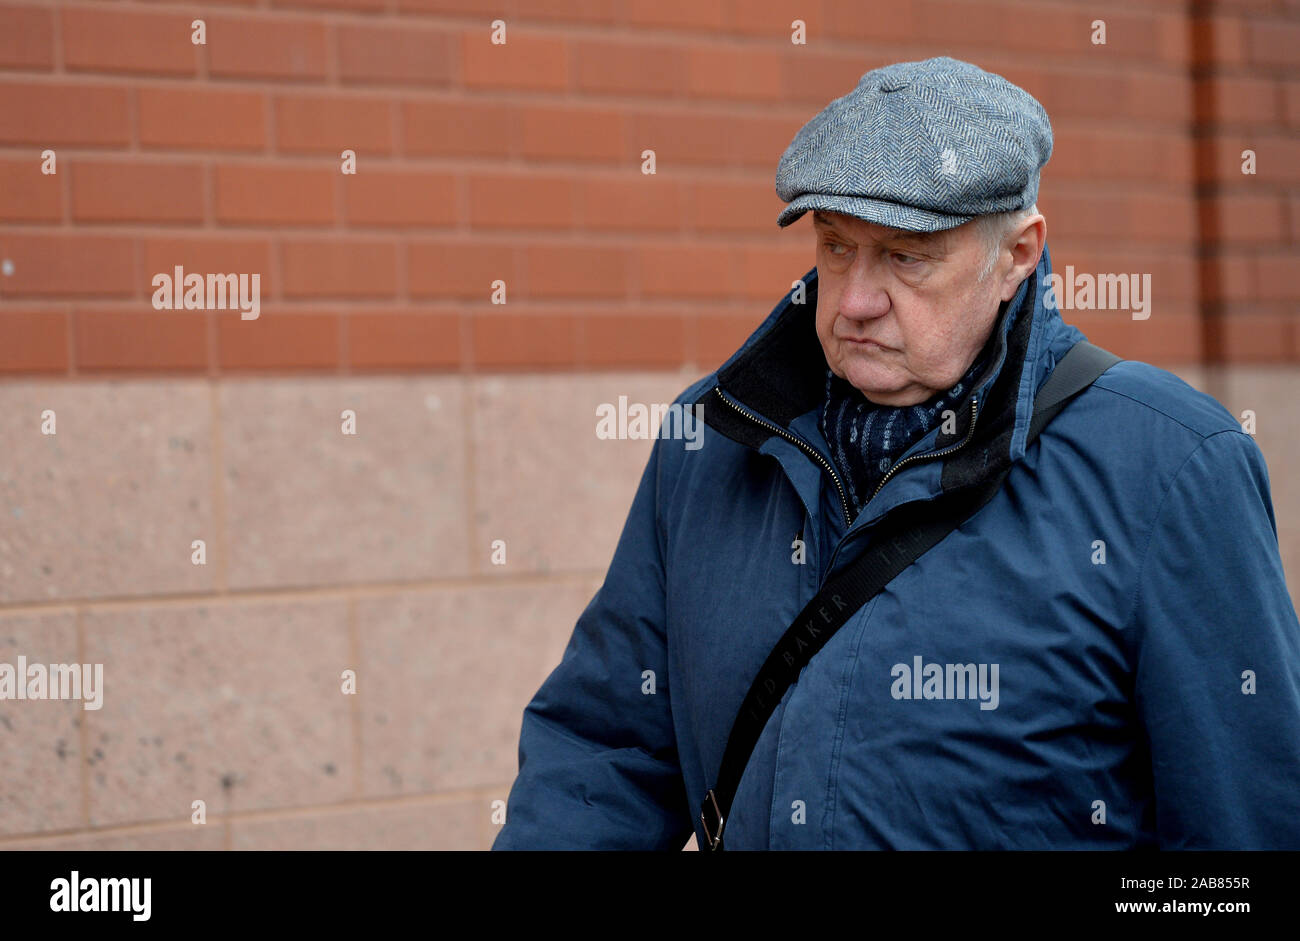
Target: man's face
917, 296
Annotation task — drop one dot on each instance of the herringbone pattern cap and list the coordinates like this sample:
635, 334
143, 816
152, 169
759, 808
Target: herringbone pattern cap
921, 146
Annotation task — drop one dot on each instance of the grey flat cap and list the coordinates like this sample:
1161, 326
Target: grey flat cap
921, 146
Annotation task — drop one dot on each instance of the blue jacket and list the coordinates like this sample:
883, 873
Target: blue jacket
1104, 656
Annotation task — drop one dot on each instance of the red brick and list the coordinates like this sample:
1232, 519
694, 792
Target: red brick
720, 335
1252, 7
1168, 337
1078, 214
1032, 78
629, 341
1089, 154
525, 60
1229, 278
640, 203
767, 273
1173, 39
1044, 29
48, 115
210, 255
1173, 273
267, 47
361, 6
403, 340
1255, 337
202, 119
26, 38
575, 269
811, 75
274, 195
458, 128
1277, 276
875, 22
141, 339
723, 206
328, 124
1220, 40
277, 340
1243, 219
718, 70
772, 18
707, 15
67, 265
461, 269
1115, 93
334, 268
575, 134
610, 66
27, 194
1291, 103
685, 270
517, 201
116, 40
471, 7
1155, 216
1218, 158
33, 341
1279, 160
690, 138
524, 341
1238, 100
1131, 35
1273, 42
136, 192
398, 55
400, 198
586, 11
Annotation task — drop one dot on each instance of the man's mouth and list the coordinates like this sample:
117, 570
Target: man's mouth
867, 344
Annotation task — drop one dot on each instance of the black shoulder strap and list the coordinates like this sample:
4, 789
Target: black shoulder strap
898, 540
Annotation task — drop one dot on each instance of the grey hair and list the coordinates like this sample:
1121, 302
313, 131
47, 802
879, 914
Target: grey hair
996, 226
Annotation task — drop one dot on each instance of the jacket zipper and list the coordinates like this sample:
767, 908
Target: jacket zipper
974, 411
970, 433
799, 443
812, 452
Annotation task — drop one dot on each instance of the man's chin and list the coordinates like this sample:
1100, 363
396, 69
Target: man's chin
879, 388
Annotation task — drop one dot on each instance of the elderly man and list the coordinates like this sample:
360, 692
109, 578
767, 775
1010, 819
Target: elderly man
941, 575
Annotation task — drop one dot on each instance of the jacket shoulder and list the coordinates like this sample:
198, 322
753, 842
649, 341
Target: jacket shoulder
1162, 398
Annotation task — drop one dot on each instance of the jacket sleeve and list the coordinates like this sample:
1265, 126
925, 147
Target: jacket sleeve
1218, 658
598, 764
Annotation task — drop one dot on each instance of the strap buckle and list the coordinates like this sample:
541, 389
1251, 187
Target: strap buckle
712, 821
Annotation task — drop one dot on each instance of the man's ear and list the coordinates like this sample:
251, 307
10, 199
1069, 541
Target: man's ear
1026, 245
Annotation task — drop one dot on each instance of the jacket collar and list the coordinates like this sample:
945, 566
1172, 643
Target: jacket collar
778, 374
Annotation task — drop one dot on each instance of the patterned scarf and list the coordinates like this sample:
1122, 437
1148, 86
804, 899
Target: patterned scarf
866, 439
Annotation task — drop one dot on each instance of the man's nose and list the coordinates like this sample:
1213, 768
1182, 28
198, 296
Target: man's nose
864, 296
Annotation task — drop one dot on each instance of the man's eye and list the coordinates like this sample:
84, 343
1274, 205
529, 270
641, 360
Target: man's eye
833, 245
906, 259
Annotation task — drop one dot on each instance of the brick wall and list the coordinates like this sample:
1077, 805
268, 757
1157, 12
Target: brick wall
478, 162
